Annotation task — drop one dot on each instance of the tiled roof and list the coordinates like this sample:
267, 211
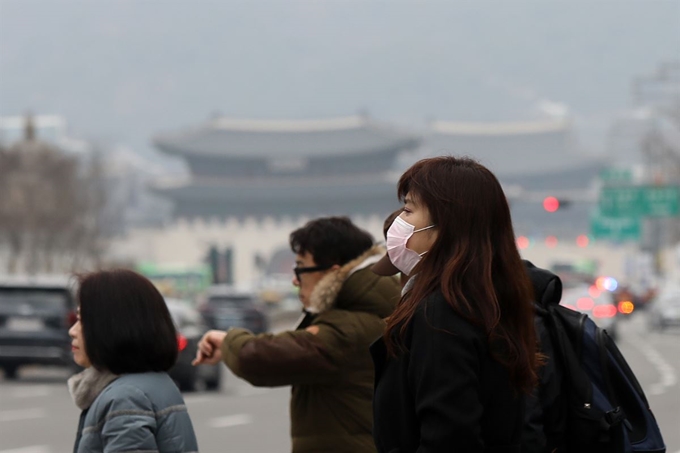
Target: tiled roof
294, 139
509, 149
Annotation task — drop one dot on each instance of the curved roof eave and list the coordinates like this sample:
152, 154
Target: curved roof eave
272, 139
291, 126
500, 128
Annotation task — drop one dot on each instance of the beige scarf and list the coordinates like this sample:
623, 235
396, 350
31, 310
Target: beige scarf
86, 386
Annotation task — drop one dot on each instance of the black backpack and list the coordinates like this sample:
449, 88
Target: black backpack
600, 406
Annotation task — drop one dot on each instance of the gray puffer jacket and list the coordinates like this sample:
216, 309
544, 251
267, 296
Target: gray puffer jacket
133, 412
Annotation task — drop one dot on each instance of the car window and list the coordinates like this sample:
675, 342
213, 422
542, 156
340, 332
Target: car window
228, 320
16, 299
184, 317
230, 301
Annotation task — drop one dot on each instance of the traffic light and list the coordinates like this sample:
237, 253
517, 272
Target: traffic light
221, 265
554, 204
213, 260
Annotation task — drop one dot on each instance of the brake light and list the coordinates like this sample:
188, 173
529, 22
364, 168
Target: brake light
181, 342
585, 303
626, 307
594, 291
604, 311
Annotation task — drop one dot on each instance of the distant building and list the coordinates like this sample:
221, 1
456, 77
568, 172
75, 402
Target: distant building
253, 181
532, 159
259, 168
508, 148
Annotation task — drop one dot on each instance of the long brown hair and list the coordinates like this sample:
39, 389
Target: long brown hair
474, 262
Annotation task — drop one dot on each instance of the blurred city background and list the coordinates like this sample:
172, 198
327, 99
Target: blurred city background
186, 140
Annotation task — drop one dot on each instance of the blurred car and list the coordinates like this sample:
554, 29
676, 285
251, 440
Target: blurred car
190, 329
225, 307
598, 304
665, 310
36, 314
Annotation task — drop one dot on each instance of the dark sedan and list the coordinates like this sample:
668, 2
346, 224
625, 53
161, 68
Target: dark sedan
35, 316
190, 329
225, 307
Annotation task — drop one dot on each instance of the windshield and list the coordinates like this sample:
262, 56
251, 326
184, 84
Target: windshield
231, 301
183, 317
14, 299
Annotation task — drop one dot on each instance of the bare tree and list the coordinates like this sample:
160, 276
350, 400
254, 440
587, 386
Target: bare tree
52, 206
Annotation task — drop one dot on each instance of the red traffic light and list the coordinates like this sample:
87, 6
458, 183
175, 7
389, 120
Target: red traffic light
551, 204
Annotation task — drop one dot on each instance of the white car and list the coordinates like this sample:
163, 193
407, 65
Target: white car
665, 310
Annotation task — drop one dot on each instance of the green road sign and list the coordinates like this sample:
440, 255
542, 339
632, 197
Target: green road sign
640, 201
615, 228
616, 176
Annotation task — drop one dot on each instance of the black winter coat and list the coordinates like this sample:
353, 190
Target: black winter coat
545, 417
447, 393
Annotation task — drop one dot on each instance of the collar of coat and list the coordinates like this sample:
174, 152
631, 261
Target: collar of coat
326, 291
86, 386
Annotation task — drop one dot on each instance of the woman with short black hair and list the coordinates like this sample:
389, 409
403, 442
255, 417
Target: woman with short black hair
126, 341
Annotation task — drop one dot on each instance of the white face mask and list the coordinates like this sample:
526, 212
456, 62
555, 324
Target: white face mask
398, 235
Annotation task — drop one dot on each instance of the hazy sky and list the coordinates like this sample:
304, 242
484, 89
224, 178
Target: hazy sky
120, 71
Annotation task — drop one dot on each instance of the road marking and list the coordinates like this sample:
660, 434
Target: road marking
231, 420
33, 449
22, 414
665, 369
31, 392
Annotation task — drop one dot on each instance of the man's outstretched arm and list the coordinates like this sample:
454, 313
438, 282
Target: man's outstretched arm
317, 354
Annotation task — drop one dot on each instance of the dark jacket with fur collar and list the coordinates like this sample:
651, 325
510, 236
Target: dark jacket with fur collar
331, 372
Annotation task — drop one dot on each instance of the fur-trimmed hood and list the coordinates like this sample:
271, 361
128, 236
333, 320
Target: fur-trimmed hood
86, 386
334, 284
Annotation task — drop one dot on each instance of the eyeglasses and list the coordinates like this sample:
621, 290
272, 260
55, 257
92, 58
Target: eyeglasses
305, 270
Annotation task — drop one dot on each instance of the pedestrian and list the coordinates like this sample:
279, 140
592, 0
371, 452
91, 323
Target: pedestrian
125, 339
459, 352
545, 412
326, 358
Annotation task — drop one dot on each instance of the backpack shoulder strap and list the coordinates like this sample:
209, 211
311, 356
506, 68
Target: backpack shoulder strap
577, 379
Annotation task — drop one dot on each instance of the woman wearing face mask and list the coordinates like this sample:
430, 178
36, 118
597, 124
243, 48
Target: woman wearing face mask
125, 339
459, 352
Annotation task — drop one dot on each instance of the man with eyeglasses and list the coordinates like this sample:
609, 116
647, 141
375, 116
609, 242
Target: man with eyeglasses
326, 358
